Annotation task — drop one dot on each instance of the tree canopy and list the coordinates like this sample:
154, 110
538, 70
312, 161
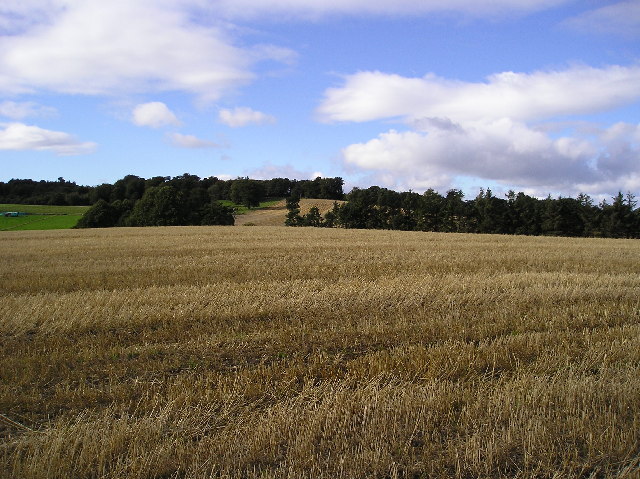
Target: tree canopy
190, 200
182, 200
516, 213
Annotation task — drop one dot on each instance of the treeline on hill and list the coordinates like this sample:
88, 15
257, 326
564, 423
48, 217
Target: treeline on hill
131, 187
58, 193
380, 208
190, 200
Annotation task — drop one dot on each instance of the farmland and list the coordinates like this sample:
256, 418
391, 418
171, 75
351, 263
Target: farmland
40, 217
275, 213
317, 353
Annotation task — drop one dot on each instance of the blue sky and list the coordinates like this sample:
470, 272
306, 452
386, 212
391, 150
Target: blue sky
541, 96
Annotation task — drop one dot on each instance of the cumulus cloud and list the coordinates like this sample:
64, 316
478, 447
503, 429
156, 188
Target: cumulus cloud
243, 116
508, 152
366, 96
500, 130
21, 110
96, 47
622, 18
21, 137
190, 141
99, 47
154, 114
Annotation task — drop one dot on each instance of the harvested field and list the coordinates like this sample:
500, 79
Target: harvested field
266, 352
276, 214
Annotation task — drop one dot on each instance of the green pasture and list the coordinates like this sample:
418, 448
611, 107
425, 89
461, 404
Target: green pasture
41, 217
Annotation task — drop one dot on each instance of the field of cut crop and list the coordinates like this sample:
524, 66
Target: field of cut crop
265, 352
275, 213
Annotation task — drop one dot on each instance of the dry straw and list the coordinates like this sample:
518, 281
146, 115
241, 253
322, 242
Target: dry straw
308, 353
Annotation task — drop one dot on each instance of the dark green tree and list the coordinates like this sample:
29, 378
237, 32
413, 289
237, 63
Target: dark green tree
455, 212
491, 214
131, 187
312, 218
293, 212
159, 206
430, 211
247, 192
123, 209
100, 215
331, 188
618, 219
216, 214
218, 189
359, 211
101, 192
525, 213
588, 214
331, 216
278, 188
561, 217
156, 181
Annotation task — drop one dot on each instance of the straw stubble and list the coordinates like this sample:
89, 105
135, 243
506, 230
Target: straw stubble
296, 352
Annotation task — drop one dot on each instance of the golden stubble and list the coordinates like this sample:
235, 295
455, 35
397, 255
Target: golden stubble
297, 352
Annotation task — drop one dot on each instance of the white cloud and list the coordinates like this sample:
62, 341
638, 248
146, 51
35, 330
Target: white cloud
21, 137
369, 96
315, 8
505, 129
243, 116
508, 152
101, 47
154, 114
190, 141
21, 110
622, 18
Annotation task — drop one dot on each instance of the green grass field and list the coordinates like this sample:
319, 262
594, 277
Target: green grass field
39, 222
41, 217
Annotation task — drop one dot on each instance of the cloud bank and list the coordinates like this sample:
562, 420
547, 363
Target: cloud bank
21, 137
366, 96
96, 47
500, 130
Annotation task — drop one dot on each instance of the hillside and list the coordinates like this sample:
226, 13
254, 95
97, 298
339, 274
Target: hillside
276, 214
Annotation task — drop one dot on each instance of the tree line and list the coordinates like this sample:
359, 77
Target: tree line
515, 214
132, 187
190, 200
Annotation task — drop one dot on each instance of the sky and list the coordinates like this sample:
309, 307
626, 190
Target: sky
539, 96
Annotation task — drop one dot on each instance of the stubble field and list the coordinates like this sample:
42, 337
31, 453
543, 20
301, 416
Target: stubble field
264, 352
